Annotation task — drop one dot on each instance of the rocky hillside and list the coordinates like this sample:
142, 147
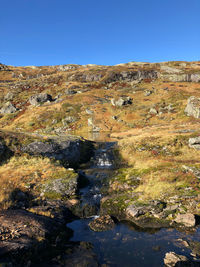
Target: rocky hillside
151, 109
66, 98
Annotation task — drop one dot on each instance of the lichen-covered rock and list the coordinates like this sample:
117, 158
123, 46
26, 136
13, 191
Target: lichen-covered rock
122, 101
63, 187
8, 108
194, 142
186, 219
193, 107
172, 259
102, 223
38, 99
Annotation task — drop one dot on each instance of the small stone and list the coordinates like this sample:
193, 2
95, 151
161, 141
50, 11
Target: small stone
153, 111
148, 92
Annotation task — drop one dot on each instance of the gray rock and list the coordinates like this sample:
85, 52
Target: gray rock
187, 219
130, 76
88, 111
153, 111
86, 77
172, 259
39, 99
194, 142
62, 187
122, 101
70, 92
193, 107
8, 108
9, 96
148, 93
193, 170
133, 212
68, 119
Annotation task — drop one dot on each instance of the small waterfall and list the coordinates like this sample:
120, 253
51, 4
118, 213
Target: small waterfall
104, 156
101, 166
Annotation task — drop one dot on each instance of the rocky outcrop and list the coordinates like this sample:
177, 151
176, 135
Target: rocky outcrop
39, 99
122, 101
3, 67
8, 108
186, 219
181, 77
25, 234
129, 76
86, 77
193, 107
70, 152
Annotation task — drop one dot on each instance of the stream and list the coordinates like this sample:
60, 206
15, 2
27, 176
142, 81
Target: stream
126, 244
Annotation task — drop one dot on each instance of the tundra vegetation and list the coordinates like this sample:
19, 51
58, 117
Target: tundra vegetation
151, 109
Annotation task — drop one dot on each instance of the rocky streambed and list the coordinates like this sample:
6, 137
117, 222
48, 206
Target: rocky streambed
93, 219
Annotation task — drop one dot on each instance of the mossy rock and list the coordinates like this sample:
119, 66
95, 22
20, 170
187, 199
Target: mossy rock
62, 187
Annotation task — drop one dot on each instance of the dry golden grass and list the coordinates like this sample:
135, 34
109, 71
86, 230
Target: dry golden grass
25, 172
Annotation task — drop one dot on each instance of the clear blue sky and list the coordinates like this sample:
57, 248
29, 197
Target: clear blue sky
50, 32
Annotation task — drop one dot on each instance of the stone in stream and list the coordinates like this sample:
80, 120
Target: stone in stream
102, 223
172, 259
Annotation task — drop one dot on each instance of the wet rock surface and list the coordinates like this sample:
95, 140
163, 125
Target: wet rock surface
103, 223
173, 259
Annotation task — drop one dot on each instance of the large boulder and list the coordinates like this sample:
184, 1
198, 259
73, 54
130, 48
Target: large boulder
193, 107
21, 232
39, 99
122, 101
62, 187
186, 219
8, 108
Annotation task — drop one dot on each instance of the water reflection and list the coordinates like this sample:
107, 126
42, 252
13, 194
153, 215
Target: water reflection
126, 246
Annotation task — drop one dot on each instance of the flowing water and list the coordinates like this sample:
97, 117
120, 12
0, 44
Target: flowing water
125, 245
